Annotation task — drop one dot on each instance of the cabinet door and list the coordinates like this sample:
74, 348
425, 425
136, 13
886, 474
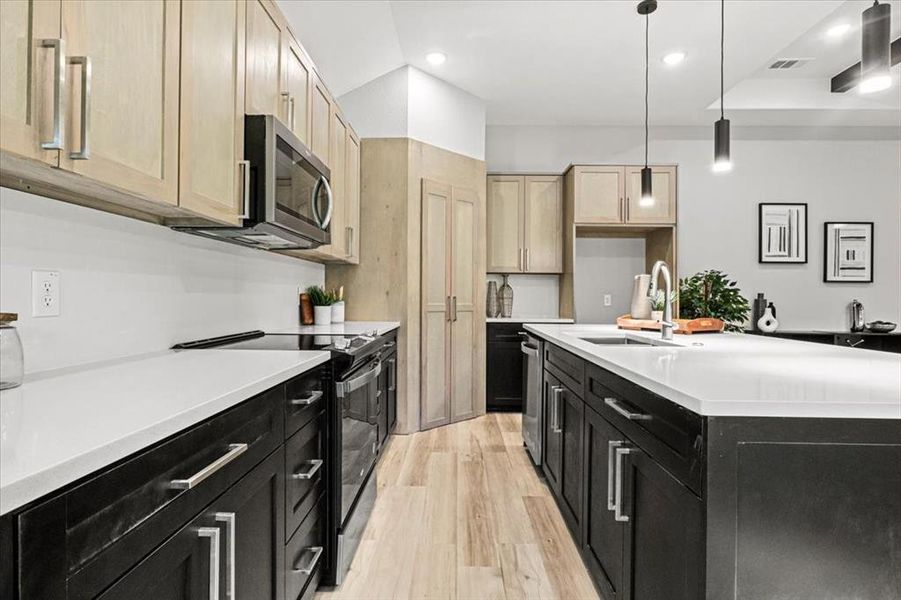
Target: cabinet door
27, 97
320, 120
296, 88
352, 191
337, 249
436, 309
122, 128
264, 31
664, 545
465, 240
663, 187
572, 411
212, 109
504, 383
543, 224
602, 535
599, 193
553, 433
506, 209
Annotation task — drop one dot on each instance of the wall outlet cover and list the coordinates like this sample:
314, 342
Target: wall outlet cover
45, 293
608, 300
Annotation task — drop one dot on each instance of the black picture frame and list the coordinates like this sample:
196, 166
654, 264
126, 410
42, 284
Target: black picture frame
871, 257
802, 260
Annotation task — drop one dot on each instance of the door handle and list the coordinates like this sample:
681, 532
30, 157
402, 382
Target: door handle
611, 467
618, 514
234, 451
84, 152
286, 96
454, 307
349, 251
528, 260
555, 422
315, 465
392, 374
313, 397
447, 309
291, 105
213, 534
244, 165
632, 416
314, 558
59, 83
230, 526
521, 260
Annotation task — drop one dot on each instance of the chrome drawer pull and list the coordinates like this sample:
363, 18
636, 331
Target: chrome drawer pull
315, 465
234, 451
313, 397
317, 552
230, 526
632, 416
59, 83
555, 422
618, 503
611, 467
86, 77
213, 534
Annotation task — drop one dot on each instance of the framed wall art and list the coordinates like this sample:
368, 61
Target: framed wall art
848, 252
782, 233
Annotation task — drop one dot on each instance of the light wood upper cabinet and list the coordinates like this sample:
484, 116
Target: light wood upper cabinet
212, 109
128, 54
337, 249
297, 88
506, 211
352, 187
264, 32
600, 193
320, 121
663, 187
27, 74
543, 224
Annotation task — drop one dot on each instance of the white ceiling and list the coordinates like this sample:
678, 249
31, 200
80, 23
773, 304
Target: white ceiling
574, 63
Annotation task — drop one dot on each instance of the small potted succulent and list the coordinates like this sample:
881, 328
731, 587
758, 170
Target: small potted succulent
322, 300
658, 302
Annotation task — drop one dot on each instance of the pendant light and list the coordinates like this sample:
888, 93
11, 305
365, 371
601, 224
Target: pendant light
722, 160
876, 48
646, 7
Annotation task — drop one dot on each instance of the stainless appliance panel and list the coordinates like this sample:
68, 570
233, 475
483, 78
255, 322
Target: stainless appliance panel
357, 393
532, 394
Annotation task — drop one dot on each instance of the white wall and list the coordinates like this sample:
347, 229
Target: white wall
606, 266
129, 287
410, 103
533, 295
840, 180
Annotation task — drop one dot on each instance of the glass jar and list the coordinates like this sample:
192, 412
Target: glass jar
12, 363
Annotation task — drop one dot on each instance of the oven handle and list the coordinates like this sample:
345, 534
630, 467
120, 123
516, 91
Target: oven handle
343, 388
323, 222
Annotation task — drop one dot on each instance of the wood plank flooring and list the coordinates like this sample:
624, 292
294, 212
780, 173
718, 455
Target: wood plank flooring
461, 513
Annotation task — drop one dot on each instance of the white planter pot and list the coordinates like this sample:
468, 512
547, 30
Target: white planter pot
657, 315
322, 315
338, 312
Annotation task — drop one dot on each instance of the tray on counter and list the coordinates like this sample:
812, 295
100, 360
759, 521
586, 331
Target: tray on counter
684, 326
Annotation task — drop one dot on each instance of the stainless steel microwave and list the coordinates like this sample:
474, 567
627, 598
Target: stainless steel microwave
287, 198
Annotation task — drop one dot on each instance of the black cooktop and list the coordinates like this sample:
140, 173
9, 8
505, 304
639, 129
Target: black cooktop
258, 340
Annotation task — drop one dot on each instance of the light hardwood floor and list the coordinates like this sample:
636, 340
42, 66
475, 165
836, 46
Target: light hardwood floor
461, 513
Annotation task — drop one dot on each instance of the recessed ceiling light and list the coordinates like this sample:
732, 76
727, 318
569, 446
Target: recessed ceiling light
837, 31
674, 58
436, 58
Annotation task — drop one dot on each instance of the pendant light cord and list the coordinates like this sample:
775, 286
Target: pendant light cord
722, 54
646, 80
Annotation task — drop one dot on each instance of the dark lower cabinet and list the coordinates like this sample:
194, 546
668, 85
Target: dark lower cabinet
552, 463
504, 358
564, 413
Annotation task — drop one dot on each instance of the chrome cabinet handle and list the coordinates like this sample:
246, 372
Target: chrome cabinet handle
611, 467
632, 416
314, 559
392, 374
291, 105
447, 310
213, 534
234, 451
528, 350
230, 526
618, 492
315, 465
59, 84
555, 422
348, 241
86, 77
313, 397
454, 306
245, 188
528, 260
286, 96
521, 260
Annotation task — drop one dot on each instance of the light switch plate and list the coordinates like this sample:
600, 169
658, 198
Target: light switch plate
608, 300
45, 293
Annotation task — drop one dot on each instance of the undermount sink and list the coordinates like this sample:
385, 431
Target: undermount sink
617, 341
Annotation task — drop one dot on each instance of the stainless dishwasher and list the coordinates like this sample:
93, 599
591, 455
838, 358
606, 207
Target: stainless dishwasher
532, 396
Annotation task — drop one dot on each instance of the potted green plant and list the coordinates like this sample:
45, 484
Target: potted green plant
322, 300
712, 294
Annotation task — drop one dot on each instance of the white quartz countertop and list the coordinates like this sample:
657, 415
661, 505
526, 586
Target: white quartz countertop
739, 375
59, 427
346, 328
528, 320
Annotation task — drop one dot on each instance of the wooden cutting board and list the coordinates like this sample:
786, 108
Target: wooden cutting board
685, 326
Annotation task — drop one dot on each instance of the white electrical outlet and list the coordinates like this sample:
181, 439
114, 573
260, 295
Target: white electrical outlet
608, 300
45, 293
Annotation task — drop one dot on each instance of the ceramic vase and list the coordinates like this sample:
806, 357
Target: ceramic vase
768, 323
657, 315
338, 312
322, 315
506, 299
492, 306
641, 304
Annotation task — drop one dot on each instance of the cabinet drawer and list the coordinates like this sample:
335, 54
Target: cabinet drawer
306, 396
673, 435
504, 332
122, 514
305, 554
568, 368
304, 471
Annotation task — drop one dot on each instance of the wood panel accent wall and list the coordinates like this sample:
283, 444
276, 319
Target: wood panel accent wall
387, 283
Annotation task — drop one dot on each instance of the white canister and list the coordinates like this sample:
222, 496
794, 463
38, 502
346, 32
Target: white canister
338, 312
641, 304
322, 315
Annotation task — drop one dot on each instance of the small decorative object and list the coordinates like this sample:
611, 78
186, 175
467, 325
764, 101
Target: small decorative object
658, 304
12, 361
856, 318
306, 309
768, 323
492, 306
782, 233
322, 304
712, 294
506, 299
848, 252
759, 308
338, 306
881, 326
641, 305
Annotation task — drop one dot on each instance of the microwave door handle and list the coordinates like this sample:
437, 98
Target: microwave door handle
315, 201
323, 221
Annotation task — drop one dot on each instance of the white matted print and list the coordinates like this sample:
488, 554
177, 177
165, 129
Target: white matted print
848, 252
782, 233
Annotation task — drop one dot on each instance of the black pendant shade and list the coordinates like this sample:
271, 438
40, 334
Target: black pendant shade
721, 157
647, 195
646, 7
876, 51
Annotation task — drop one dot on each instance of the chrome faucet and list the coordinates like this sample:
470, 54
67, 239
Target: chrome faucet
666, 325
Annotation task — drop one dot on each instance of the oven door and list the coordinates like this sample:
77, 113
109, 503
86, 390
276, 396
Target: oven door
357, 393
